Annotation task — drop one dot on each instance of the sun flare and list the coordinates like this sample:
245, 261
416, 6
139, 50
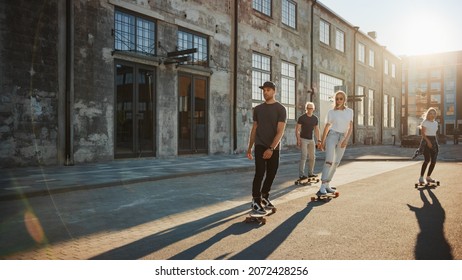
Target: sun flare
425, 33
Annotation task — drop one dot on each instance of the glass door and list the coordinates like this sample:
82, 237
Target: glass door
134, 121
192, 118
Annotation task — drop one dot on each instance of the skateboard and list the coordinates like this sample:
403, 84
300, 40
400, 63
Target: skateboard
325, 197
307, 181
427, 185
259, 218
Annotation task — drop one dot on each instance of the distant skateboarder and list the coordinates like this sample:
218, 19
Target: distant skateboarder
428, 145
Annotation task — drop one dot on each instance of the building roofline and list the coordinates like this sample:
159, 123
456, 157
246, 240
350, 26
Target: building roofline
323, 6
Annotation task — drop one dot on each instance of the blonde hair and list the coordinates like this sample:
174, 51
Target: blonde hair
344, 99
425, 115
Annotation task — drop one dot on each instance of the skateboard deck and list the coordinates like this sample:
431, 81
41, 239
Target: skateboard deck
427, 185
307, 181
258, 218
325, 197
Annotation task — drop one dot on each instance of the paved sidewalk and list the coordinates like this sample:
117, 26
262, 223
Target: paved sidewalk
34, 181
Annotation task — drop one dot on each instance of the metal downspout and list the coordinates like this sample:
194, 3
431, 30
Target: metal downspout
313, 3
68, 153
234, 99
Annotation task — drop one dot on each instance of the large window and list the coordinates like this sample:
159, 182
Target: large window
371, 58
327, 86
392, 112
187, 40
385, 110
289, 13
288, 82
340, 40
261, 72
370, 107
393, 70
134, 34
361, 53
263, 6
385, 66
324, 32
360, 106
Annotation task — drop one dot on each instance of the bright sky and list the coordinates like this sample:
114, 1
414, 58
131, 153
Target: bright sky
406, 27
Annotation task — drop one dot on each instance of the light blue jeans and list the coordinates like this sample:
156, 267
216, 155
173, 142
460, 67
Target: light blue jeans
334, 154
308, 152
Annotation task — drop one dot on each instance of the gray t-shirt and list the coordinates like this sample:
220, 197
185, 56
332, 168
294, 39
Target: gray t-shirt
267, 117
307, 125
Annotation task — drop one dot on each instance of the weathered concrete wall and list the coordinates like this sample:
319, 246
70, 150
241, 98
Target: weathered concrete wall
28, 82
268, 36
93, 104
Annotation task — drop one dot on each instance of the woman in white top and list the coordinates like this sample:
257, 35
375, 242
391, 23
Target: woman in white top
429, 127
337, 132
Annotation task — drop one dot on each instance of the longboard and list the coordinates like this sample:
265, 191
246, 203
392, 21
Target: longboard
259, 218
307, 181
427, 185
324, 197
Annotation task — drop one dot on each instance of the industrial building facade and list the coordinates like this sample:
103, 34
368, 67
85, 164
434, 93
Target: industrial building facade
432, 81
88, 81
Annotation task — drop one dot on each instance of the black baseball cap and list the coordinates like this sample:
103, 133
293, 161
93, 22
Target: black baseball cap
268, 84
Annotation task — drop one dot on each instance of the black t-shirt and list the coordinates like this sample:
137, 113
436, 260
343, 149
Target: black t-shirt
307, 125
267, 117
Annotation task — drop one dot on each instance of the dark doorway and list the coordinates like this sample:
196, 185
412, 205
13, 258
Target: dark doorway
192, 114
134, 119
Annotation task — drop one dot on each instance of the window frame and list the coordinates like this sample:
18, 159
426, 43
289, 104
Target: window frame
327, 84
361, 53
263, 6
370, 107
361, 106
292, 19
324, 32
133, 33
261, 72
339, 40
288, 88
201, 57
371, 58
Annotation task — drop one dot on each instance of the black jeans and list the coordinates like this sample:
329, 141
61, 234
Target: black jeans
269, 166
430, 156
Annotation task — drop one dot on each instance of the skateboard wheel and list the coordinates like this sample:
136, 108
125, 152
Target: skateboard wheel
416, 185
273, 210
313, 198
336, 194
437, 183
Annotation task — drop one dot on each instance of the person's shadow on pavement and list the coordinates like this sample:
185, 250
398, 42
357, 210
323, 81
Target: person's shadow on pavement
431, 243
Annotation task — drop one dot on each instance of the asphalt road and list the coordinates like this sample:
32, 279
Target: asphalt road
379, 215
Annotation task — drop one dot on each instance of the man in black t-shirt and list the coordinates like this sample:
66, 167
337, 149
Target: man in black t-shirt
306, 125
269, 122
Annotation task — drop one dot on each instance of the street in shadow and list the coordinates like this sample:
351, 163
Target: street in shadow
155, 242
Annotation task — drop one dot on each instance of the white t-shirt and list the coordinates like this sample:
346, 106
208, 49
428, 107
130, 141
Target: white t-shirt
430, 127
340, 119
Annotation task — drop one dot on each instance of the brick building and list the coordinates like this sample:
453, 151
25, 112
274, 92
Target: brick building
99, 80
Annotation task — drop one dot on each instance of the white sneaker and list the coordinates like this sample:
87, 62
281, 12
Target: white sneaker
430, 180
323, 188
329, 189
421, 180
